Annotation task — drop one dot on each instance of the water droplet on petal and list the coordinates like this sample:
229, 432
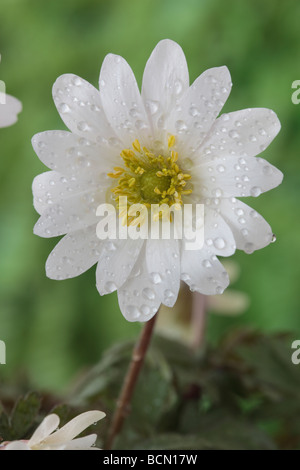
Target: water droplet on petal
76, 81
63, 108
219, 243
82, 126
152, 106
145, 310
206, 263
111, 246
178, 86
233, 134
110, 287
249, 248
155, 278
255, 191
133, 311
180, 126
148, 293
221, 168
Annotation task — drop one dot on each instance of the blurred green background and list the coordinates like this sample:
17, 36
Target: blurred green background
54, 329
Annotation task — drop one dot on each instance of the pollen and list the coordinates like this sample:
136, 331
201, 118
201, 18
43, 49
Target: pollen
147, 177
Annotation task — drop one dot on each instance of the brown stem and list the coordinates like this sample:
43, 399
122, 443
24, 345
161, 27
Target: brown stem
198, 319
129, 383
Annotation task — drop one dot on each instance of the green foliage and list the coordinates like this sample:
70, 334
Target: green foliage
242, 394
22, 418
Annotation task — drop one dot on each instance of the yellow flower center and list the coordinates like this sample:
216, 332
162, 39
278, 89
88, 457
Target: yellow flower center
147, 178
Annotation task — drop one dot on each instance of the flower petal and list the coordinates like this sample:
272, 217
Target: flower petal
10, 107
17, 445
51, 187
250, 230
165, 79
82, 443
74, 254
236, 176
203, 272
242, 133
198, 108
217, 234
70, 154
116, 261
138, 299
163, 264
79, 105
74, 427
69, 215
122, 101
47, 426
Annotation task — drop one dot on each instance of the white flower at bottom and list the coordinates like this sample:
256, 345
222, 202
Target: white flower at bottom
47, 437
10, 107
163, 145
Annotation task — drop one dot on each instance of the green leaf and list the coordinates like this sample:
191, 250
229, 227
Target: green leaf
24, 414
4, 425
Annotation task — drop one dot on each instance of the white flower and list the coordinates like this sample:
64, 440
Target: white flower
10, 107
46, 437
119, 141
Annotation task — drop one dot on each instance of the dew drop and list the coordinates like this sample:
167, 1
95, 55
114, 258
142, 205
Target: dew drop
206, 263
152, 106
145, 310
111, 246
168, 296
193, 111
155, 278
249, 248
255, 191
219, 243
76, 81
63, 108
267, 170
82, 126
221, 168
178, 86
139, 124
148, 293
233, 134
133, 311
110, 287
180, 126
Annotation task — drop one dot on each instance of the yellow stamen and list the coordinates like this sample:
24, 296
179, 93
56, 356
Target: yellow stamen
171, 141
136, 145
148, 178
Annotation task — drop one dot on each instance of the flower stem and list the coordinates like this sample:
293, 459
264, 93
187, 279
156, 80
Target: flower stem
129, 383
